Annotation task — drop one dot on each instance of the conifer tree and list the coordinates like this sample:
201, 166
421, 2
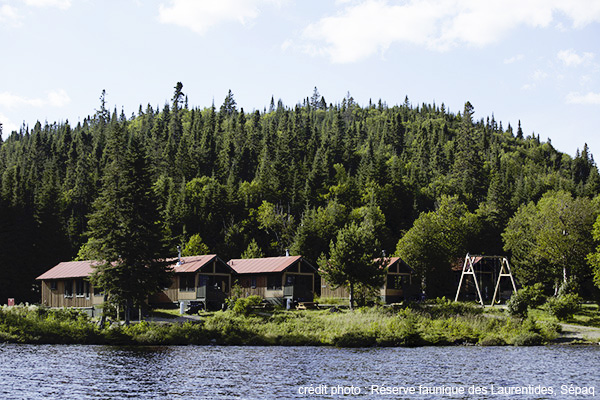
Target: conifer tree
125, 235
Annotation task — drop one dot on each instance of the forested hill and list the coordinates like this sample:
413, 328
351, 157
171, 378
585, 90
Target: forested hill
266, 181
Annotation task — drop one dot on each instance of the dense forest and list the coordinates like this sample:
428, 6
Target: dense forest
430, 183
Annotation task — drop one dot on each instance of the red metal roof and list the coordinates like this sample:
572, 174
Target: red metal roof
68, 269
81, 269
262, 265
191, 263
404, 267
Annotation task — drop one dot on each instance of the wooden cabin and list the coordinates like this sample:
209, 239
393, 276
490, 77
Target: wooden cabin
398, 285
67, 285
204, 279
276, 279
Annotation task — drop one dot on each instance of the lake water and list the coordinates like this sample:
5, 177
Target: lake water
211, 372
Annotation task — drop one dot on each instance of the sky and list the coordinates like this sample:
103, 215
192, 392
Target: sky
534, 61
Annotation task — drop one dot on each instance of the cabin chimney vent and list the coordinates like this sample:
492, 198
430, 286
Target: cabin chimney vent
287, 253
179, 262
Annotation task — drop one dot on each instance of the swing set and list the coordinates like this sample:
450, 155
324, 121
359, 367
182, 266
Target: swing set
501, 268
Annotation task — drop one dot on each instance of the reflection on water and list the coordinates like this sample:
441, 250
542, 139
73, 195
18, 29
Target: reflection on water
211, 372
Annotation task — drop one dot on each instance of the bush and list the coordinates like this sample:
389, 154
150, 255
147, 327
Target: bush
518, 304
442, 307
354, 339
569, 287
534, 295
528, 339
492, 340
563, 307
244, 306
236, 293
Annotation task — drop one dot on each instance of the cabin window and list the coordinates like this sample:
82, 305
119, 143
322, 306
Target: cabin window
98, 291
69, 288
53, 285
187, 282
253, 282
79, 288
274, 282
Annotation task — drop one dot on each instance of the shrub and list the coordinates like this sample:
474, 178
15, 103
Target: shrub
528, 339
518, 304
569, 287
354, 339
236, 293
534, 295
492, 340
244, 306
563, 307
442, 307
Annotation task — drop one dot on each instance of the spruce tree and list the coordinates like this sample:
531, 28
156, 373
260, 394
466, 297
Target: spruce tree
125, 235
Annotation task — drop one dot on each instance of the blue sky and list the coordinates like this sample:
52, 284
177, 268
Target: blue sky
537, 61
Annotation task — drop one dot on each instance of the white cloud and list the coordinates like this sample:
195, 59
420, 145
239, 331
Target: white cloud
514, 59
9, 15
588, 98
539, 75
200, 16
571, 59
58, 98
7, 125
62, 4
370, 26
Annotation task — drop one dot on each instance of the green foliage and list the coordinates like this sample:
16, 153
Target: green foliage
550, 240
528, 339
569, 287
442, 307
274, 220
243, 306
593, 258
534, 295
354, 260
530, 296
518, 304
436, 239
317, 167
364, 327
317, 229
563, 307
195, 246
125, 235
236, 293
253, 250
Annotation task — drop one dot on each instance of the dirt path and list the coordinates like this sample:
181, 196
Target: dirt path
571, 333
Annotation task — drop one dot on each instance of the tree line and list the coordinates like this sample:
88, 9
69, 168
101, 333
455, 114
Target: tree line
423, 182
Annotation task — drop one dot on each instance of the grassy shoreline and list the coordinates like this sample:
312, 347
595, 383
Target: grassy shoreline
417, 325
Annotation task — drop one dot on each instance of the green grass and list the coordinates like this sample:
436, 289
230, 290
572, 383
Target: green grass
437, 323
167, 313
589, 315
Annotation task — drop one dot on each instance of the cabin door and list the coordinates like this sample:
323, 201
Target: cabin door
201, 288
